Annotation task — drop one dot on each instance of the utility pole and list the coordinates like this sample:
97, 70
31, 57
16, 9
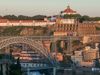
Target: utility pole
69, 45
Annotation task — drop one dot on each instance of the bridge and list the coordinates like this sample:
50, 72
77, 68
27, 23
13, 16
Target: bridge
36, 42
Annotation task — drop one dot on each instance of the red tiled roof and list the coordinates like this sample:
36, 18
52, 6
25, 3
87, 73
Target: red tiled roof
40, 21
25, 21
69, 10
3, 20
22, 21
14, 21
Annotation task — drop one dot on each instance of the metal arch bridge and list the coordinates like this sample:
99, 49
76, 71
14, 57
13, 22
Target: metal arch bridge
33, 41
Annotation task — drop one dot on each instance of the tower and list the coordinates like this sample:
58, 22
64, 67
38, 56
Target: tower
66, 24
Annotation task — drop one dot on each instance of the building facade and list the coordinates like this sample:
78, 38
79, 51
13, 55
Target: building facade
66, 26
43, 23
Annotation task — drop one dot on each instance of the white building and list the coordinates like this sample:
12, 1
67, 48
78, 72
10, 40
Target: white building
43, 23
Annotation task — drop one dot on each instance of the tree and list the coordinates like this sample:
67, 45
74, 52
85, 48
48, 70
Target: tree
22, 17
94, 18
76, 16
39, 17
1, 17
67, 61
18, 63
15, 69
99, 49
59, 48
98, 28
10, 17
76, 43
84, 18
52, 48
96, 63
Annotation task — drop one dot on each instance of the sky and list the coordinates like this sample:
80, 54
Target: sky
48, 7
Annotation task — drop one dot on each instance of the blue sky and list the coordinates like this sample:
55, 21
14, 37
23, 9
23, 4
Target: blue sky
48, 7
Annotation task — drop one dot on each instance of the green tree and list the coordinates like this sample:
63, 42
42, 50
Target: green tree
58, 45
38, 17
76, 42
96, 63
10, 17
76, 16
84, 18
22, 17
67, 61
97, 28
15, 69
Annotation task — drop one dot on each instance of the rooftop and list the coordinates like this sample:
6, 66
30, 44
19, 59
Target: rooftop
69, 10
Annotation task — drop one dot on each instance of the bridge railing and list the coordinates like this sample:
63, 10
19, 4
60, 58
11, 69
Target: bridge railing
43, 37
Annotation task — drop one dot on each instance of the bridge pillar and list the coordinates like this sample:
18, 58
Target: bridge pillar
69, 46
3, 69
54, 71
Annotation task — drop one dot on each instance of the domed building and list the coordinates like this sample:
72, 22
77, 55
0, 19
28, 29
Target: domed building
66, 24
69, 11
